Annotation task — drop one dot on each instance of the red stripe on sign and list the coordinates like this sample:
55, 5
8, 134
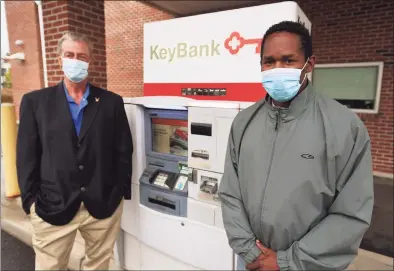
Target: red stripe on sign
243, 92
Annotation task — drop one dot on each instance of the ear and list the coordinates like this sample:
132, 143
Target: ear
91, 60
311, 64
59, 59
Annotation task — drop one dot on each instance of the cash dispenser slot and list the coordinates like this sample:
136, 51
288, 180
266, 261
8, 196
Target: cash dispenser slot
162, 202
209, 185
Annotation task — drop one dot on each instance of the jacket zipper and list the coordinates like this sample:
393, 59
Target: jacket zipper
277, 121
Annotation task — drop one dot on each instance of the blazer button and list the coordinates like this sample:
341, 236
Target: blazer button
83, 189
80, 167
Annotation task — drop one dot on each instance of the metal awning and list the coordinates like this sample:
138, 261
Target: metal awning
188, 8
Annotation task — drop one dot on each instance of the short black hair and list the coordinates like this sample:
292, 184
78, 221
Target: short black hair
294, 28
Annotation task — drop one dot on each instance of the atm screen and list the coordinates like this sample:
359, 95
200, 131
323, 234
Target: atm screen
169, 136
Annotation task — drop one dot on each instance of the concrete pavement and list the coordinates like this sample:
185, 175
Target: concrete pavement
379, 237
16, 223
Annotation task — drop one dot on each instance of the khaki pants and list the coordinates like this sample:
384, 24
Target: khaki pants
53, 244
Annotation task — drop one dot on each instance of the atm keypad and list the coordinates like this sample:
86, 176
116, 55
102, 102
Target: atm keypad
161, 179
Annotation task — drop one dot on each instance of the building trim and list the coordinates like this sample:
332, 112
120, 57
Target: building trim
384, 175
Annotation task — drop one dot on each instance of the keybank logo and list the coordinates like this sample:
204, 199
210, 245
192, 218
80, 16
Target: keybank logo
236, 42
184, 50
233, 44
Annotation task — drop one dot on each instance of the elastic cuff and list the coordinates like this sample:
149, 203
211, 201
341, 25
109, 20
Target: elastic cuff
252, 255
283, 260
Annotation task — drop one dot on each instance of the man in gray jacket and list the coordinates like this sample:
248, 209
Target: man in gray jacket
297, 191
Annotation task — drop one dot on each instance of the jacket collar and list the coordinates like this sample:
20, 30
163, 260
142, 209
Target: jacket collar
297, 106
90, 110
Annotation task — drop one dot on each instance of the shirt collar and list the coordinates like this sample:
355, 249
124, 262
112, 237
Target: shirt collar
70, 99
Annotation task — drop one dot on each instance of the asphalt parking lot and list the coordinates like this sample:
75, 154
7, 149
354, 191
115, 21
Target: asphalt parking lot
15, 255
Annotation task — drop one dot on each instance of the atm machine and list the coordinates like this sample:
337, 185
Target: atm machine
142, 236
164, 189
209, 127
174, 220
174, 236
160, 186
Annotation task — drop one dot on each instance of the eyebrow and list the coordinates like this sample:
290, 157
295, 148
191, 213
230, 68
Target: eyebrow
288, 56
69, 52
282, 57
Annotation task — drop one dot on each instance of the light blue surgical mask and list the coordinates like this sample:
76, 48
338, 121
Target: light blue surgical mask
75, 70
282, 84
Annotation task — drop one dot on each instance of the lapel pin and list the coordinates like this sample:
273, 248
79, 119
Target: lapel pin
97, 99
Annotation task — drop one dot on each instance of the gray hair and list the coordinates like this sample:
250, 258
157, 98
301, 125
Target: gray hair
74, 37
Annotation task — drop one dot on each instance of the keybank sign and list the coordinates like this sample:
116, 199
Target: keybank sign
184, 50
233, 44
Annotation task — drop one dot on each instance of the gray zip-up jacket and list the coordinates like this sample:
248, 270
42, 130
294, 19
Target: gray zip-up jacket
300, 181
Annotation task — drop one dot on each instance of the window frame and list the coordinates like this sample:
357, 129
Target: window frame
378, 64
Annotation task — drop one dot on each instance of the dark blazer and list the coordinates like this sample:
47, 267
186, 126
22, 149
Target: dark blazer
58, 170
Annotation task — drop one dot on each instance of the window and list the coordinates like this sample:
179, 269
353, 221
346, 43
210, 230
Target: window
355, 85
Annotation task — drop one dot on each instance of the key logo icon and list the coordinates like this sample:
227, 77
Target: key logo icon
236, 42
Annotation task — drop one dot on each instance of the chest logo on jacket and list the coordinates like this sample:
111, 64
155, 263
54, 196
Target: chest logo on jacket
307, 156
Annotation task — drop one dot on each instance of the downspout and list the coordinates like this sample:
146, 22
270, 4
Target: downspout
43, 52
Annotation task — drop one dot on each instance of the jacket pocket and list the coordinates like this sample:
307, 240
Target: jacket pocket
49, 193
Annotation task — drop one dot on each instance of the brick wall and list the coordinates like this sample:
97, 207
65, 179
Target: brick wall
22, 24
86, 17
343, 31
124, 22
360, 31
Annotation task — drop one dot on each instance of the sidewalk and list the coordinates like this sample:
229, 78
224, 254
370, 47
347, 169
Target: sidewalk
16, 223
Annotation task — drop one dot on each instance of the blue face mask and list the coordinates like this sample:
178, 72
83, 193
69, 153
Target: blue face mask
282, 84
75, 70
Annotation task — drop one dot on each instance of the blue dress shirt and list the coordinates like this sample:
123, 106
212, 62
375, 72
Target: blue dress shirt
77, 110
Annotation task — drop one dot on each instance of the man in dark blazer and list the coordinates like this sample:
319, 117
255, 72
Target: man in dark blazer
74, 152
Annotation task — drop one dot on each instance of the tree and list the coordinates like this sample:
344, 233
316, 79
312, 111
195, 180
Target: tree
8, 79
